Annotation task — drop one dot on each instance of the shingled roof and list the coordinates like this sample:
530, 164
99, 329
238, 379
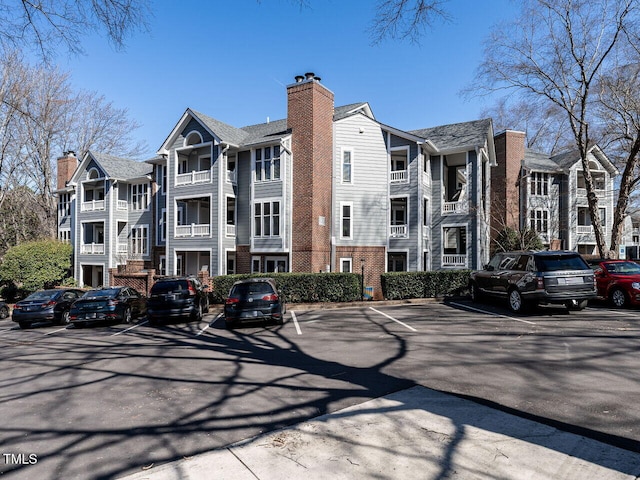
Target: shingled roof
121, 168
457, 135
540, 162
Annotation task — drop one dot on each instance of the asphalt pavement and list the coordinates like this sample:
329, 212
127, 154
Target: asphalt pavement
416, 433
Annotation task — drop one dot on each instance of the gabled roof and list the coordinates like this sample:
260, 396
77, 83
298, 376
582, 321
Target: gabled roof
458, 135
568, 159
347, 110
539, 162
225, 132
265, 132
116, 168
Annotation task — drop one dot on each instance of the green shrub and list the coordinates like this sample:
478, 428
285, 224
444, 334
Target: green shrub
298, 287
401, 285
36, 265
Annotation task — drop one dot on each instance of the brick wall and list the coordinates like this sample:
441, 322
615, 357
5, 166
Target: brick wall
310, 118
141, 281
374, 264
505, 195
66, 166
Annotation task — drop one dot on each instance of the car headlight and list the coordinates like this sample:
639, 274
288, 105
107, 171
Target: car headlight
635, 285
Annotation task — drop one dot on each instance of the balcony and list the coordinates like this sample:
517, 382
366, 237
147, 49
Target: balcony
93, 205
122, 205
193, 230
92, 249
398, 176
122, 248
231, 176
455, 208
454, 260
202, 176
398, 231
231, 230
584, 229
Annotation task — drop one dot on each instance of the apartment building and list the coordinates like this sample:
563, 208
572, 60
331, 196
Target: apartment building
551, 193
326, 189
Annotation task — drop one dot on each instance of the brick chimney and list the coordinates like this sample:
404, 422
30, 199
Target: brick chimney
310, 118
67, 165
505, 196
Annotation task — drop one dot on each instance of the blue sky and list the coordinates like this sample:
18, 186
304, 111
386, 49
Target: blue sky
232, 60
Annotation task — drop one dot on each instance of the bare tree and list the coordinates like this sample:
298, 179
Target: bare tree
556, 50
45, 25
406, 19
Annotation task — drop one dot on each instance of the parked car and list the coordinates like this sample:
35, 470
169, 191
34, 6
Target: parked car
4, 310
113, 304
254, 299
618, 281
531, 278
45, 306
177, 298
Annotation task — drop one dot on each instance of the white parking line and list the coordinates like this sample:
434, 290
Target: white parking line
394, 319
56, 331
295, 322
492, 313
130, 328
209, 325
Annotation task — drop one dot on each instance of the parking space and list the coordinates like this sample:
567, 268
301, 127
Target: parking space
111, 398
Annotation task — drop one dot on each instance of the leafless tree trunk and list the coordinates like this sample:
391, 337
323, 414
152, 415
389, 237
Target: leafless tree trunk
556, 51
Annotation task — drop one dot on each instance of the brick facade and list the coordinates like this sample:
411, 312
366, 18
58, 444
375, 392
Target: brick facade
374, 265
66, 166
310, 118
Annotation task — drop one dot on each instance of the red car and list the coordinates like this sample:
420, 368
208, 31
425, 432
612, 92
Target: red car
618, 281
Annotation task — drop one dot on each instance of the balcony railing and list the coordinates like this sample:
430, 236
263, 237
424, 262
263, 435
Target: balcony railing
231, 230
92, 248
454, 260
122, 248
122, 205
451, 208
398, 176
193, 230
231, 176
398, 231
584, 229
201, 176
92, 205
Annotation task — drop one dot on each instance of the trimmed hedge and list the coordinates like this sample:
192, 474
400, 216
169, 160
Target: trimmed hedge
298, 287
401, 285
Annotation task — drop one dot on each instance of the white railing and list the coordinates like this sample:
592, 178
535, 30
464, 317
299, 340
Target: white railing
92, 248
193, 230
122, 205
201, 176
231, 230
398, 176
398, 231
584, 229
122, 248
449, 208
454, 260
231, 176
93, 205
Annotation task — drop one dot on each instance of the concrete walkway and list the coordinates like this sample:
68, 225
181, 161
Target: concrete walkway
413, 434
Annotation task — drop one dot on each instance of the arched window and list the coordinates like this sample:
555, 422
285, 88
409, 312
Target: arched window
193, 138
93, 174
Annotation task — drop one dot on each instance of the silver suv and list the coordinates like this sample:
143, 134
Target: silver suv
529, 278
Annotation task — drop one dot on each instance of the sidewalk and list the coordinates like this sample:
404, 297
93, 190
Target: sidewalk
413, 434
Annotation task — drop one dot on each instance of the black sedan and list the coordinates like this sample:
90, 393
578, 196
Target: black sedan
254, 299
113, 304
45, 306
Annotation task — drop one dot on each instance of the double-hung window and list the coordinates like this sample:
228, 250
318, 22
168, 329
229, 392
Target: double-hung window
267, 163
139, 196
540, 221
346, 220
140, 240
539, 183
266, 219
347, 166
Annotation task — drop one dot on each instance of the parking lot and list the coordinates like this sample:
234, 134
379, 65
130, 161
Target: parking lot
113, 399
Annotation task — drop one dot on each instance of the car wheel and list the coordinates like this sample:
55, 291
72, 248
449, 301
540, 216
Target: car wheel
577, 305
206, 307
475, 293
127, 317
516, 303
4, 312
618, 298
64, 319
198, 313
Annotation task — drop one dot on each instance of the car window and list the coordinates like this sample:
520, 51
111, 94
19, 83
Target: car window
245, 289
70, 295
554, 263
521, 263
43, 295
169, 286
507, 262
623, 268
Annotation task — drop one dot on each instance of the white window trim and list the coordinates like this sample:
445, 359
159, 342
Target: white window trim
343, 150
144, 228
226, 214
262, 201
254, 168
163, 225
350, 205
543, 211
407, 150
259, 259
349, 260
147, 196
186, 137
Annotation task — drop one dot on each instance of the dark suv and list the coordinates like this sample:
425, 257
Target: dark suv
254, 299
175, 298
530, 278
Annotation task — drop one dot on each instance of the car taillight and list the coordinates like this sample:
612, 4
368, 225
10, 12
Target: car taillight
49, 304
231, 301
192, 290
540, 285
112, 302
17, 307
270, 298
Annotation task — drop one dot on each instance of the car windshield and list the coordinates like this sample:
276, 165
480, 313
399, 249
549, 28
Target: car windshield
43, 295
105, 293
623, 268
246, 289
169, 286
554, 263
